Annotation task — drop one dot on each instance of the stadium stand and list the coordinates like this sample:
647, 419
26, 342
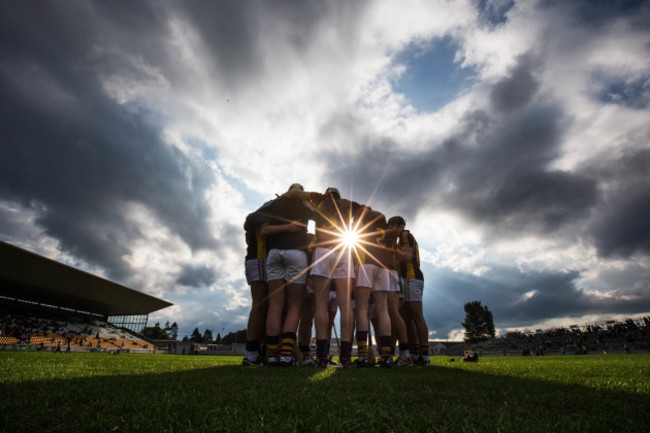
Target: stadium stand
46, 305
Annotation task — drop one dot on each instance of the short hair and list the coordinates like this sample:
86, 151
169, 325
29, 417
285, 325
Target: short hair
296, 187
334, 191
397, 221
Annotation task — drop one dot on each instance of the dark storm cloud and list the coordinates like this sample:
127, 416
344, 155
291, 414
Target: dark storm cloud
516, 299
624, 229
234, 33
621, 226
600, 13
196, 276
515, 90
75, 155
496, 171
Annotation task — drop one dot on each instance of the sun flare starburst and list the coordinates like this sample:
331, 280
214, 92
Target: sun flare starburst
350, 238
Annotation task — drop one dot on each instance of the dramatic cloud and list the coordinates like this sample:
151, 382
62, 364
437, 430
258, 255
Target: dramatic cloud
512, 135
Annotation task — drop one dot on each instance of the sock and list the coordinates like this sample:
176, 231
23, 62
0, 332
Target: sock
346, 350
384, 346
321, 349
288, 342
404, 351
416, 349
252, 349
305, 350
362, 344
272, 346
424, 351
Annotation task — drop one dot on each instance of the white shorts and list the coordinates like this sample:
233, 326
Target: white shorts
332, 264
288, 265
255, 270
413, 290
373, 276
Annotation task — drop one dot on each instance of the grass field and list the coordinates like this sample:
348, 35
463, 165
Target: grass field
156, 393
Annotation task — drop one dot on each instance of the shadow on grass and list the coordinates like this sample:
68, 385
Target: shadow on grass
237, 399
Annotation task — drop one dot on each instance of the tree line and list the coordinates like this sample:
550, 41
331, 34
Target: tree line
170, 332
478, 324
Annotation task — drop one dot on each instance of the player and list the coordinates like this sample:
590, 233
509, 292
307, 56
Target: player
409, 257
398, 326
307, 314
285, 230
331, 262
373, 279
256, 277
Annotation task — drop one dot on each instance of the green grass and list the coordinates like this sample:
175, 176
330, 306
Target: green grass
157, 393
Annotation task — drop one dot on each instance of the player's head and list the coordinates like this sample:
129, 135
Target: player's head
397, 222
296, 187
335, 192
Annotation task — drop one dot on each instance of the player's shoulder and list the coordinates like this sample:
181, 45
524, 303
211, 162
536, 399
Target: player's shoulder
407, 236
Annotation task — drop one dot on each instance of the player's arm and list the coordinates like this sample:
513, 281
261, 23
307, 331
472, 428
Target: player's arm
404, 248
404, 254
267, 229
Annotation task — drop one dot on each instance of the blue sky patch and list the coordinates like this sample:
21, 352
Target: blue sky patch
495, 11
432, 78
628, 93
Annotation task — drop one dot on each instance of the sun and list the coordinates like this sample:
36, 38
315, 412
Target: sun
349, 238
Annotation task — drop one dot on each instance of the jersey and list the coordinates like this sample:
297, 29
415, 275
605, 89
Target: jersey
410, 269
284, 210
255, 243
331, 217
377, 240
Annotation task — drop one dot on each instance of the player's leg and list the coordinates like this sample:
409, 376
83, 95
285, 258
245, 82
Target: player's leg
296, 272
362, 301
305, 327
277, 295
399, 329
321, 317
344, 301
415, 310
383, 325
295, 295
256, 322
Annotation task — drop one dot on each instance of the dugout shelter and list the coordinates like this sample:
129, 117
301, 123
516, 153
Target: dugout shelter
28, 280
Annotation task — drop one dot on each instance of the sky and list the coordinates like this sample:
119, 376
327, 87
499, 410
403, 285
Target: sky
513, 137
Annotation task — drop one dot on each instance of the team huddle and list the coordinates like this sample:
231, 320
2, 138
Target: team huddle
358, 262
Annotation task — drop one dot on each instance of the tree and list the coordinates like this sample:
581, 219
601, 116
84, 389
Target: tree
173, 331
207, 336
479, 323
155, 332
167, 328
236, 337
196, 336
218, 339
